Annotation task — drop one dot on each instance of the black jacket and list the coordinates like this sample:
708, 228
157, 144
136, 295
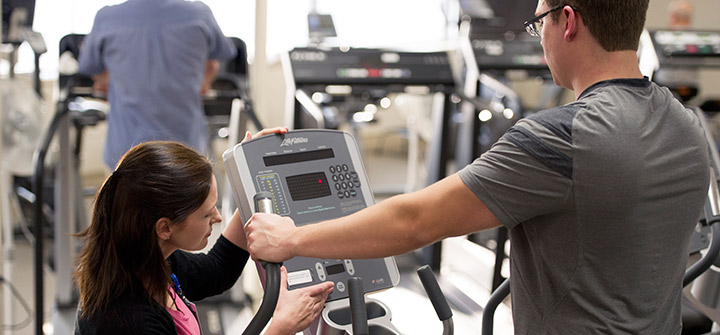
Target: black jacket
200, 276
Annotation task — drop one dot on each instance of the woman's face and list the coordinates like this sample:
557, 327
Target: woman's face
192, 233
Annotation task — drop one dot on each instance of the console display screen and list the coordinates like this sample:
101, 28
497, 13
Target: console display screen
335, 269
308, 186
298, 157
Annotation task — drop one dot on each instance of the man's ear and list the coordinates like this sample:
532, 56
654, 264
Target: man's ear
571, 23
162, 228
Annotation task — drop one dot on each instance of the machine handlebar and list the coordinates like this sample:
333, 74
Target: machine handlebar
437, 298
263, 203
496, 298
358, 312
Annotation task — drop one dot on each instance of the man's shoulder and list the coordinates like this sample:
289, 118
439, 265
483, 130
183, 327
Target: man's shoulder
174, 7
561, 112
195, 7
558, 119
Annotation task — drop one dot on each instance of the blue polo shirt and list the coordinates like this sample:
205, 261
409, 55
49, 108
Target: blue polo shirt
155, 51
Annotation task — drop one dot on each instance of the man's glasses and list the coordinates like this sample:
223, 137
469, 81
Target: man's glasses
534, 26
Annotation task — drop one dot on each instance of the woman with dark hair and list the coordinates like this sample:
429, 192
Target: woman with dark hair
133, 274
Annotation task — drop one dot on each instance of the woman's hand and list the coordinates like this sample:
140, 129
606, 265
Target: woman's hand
234, 231
266, 131
296, 309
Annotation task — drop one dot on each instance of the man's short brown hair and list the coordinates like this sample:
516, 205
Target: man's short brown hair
615, 24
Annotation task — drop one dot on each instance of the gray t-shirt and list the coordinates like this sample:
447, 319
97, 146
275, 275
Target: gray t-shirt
600, 197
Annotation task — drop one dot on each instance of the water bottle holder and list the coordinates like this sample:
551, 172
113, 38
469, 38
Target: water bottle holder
336, 318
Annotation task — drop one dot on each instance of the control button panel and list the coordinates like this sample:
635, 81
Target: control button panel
349, 267
320, 271
347, 181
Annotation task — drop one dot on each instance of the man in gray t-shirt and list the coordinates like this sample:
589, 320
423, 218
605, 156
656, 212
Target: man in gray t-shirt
600, 195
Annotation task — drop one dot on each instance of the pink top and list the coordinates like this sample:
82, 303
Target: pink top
185, 321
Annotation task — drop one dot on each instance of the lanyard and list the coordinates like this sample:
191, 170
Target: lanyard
176, 284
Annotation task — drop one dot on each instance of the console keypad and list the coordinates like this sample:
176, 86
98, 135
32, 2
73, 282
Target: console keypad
346, 181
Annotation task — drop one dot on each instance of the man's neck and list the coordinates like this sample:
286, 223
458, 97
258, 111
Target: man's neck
606, 66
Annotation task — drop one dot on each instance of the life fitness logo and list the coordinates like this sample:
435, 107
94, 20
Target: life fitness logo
308, 56
292, 141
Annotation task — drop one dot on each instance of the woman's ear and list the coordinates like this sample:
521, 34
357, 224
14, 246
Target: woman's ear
162, 228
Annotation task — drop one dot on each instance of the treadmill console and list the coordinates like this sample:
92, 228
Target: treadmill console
314, 175
501, 54
369, 67
687, 48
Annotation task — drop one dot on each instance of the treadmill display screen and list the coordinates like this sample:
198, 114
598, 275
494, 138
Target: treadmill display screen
308, 186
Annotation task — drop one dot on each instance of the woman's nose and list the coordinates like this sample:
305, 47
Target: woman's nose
216, 217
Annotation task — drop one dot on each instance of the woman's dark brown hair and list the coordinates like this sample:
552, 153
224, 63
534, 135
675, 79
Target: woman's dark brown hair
154, 180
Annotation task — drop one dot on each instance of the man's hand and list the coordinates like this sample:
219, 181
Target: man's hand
268, 237
296, 309
211, 70
101, 81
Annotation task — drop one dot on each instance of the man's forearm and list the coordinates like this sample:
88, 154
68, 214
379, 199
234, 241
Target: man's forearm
397, 225
378, 231
394, 226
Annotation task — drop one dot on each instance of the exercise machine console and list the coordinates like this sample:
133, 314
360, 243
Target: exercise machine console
313, 175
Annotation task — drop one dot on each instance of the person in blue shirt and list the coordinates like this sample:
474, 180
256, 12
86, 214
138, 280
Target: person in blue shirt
155, 59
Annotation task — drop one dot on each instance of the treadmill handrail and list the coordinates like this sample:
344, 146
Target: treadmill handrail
311, 108
37, 188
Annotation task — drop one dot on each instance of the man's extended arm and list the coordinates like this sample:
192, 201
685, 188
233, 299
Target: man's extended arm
395, 226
